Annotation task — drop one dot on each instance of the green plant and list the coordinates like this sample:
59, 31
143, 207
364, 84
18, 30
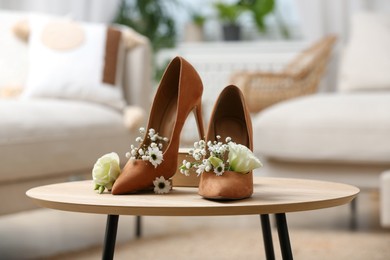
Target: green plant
151, 18
198, 19
229, 13
259, 9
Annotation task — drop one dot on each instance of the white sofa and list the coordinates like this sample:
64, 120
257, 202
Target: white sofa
47, 140
338, 137
341, 136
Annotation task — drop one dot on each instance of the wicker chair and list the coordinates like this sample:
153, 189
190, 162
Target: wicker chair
300, 77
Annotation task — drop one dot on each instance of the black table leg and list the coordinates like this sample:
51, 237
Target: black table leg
284, 238
138, 227
110, 238
353, 219
267, 237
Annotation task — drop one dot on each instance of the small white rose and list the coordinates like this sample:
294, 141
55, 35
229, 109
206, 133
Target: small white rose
241, 159
105, 171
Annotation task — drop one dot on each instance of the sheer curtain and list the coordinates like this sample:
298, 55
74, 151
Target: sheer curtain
85, 10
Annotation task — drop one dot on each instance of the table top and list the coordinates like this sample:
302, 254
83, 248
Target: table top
271, 195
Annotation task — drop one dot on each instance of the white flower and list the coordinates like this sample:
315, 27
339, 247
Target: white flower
185, 172
201, 169
155, 156
188, 165
241, 159
185, 167
151, 132
161, 186
219, 166
219, 169
105, 171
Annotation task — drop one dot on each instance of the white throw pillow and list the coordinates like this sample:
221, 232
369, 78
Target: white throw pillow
69, 60
366, 61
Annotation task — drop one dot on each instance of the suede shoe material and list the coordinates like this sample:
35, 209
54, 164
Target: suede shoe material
230, 118
179, 93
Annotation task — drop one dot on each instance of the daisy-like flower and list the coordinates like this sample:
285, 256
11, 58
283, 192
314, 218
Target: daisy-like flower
219, 169
155, 156
161, 185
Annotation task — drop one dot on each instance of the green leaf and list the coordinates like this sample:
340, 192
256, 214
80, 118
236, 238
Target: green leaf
215, 161
101, 189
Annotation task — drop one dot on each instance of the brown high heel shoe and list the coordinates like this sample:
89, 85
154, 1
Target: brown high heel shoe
230, 118
179, 93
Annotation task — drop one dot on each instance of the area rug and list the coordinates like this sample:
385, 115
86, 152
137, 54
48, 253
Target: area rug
247, 243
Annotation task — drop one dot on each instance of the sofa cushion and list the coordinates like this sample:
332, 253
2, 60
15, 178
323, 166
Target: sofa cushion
351, 128
43, 137
13, 53
74, 60
366, 60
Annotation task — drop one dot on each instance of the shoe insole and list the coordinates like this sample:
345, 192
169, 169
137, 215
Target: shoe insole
168, 119
232, 127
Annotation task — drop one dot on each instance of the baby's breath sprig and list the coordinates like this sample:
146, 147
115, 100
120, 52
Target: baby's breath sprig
218, 157
149, 148
215, 162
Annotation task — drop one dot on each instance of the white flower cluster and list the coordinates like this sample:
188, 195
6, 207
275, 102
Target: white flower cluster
239, 158
214, 162
151, 152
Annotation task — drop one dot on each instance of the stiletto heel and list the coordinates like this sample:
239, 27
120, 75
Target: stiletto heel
199, 120
230, 118
180, 92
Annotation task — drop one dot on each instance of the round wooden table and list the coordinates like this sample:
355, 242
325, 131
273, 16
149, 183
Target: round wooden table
271, 196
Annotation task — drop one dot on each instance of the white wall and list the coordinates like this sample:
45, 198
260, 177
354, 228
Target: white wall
86, 10
321, 17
